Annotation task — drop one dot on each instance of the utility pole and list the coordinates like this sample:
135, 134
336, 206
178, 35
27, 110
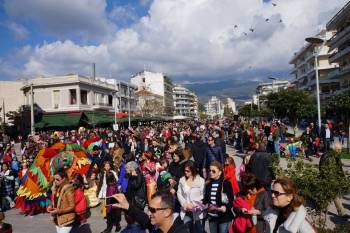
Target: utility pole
4, 115
129, 106
32, 129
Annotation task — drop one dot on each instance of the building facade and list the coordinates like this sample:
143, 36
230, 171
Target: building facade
339, 46
79, 93
214, 108
231, 104
185, 102
156, 83
11, 97
304, 67
273, 87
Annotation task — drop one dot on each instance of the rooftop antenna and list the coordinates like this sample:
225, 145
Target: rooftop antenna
93, 71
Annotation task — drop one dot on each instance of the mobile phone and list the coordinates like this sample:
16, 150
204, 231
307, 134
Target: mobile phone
111, 200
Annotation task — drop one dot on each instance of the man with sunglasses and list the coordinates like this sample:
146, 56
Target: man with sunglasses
212, 153
160, 213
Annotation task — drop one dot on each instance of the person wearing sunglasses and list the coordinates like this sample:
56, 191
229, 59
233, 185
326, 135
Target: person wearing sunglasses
218, 195
212, 153
190, 195
62, 206
159, 217
288, 213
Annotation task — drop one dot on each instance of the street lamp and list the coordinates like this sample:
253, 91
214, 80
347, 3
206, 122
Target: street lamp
317, 41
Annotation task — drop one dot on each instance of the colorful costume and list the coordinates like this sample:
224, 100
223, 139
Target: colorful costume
33, 196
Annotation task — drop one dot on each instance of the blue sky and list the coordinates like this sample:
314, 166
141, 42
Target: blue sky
190, 40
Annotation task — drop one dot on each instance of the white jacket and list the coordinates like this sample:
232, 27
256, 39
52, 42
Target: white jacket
196, 193
295, 223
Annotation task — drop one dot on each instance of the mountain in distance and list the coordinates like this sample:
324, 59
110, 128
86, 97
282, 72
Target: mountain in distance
239, 90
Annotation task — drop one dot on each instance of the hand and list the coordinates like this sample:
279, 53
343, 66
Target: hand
122, 202
53, 211
173, 191
255, 212
188, 206
172, 182
212, 208
222, 209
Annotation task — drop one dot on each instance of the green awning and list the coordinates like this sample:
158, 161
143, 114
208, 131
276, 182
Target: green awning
99, 118
59, 120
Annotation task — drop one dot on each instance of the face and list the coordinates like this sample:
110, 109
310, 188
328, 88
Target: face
93, 176
210, 140
279, 196
107, 167
215, 173
159, 215
58, 180
5, 167
176, 158
188, 172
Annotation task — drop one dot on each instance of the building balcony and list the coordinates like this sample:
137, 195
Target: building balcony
339, 38
336, 56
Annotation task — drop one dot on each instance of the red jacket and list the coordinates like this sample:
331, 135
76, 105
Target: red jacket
80, 201
230, 175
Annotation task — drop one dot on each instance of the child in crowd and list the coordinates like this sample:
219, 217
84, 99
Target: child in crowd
111, 212
91, 190
80, 200
230, 173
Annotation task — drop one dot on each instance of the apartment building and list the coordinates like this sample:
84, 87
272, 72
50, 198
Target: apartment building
304, 67
185, 102
273, 87
79, 93
339, 46
156, 83
214, 107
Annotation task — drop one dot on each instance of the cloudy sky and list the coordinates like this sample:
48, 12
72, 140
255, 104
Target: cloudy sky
190, 40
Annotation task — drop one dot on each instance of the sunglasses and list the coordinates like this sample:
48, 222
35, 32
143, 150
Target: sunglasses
213, 171
276, 193
57, 179
153, 210
210, 139
187, 171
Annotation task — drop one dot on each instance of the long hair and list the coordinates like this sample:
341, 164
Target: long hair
290, 188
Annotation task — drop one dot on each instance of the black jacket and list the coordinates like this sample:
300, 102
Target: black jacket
213, 153
136, 190
260, 164
143, 219
226, 188
198, 150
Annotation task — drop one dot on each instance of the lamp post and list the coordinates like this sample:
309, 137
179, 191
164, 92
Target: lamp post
129, 105
32, 128
317, 41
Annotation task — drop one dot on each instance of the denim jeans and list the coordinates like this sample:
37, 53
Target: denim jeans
193, 226
216, 227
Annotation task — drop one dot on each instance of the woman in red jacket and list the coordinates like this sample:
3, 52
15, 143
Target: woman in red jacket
230, 173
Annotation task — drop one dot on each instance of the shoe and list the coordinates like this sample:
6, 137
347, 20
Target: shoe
118, 228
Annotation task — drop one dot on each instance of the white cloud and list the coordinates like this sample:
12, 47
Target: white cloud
62, 18
18, 30
194, 38
124, 14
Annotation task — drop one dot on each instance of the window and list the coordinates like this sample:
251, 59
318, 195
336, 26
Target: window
83, 96
110, 100
56, 98
73, 96
143, 80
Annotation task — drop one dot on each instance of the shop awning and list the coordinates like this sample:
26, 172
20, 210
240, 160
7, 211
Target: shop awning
59, 120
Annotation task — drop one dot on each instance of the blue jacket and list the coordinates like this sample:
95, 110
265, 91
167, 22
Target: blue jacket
133, 228
213, 153
123, 179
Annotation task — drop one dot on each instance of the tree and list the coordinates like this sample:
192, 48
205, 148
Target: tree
248, 110
228, 112
152, 107
339, 105
292, 103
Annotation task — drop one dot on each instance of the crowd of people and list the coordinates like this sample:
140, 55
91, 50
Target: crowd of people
171, 177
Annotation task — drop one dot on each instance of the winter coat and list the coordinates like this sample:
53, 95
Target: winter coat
295, 223
195, 195
213, 153
136, 190
65, 206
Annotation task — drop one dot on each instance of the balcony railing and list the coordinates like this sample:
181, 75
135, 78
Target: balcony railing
339, 38
335, 56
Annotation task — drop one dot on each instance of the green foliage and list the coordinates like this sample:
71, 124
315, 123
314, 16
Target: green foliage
292, 103
248, 110
341, 228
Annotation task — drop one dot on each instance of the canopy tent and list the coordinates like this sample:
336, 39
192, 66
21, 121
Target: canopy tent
59, 120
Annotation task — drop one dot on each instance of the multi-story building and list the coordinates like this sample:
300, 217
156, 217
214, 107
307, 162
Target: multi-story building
156, 83
185, 102
80, 93
10, 97
213, 107
304, 67
231, 104
267, 88
339, 46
